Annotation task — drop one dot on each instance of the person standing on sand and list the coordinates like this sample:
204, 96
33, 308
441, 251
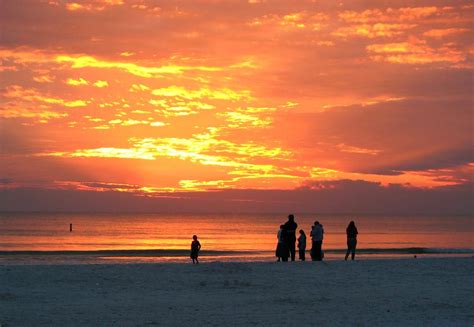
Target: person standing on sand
281, 250
195, 247
351, 232
302, 245
317, 235
290, 235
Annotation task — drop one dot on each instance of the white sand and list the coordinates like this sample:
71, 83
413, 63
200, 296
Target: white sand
435, 292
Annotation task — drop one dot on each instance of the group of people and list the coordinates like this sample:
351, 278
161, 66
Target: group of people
287, 238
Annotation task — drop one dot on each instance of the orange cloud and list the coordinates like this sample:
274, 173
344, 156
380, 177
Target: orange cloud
204, 149
19, 93
8, 68
389, 14
42, 115
44, 79
76, 82
205, 102
443, 32
295, 20
248, 117
354, 149
415, 52
92, 5
138, 87
134, 69
101, 84
373, 31
219, 94
26, 55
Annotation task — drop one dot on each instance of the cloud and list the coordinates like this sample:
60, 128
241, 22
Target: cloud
6, 181
101, 84
414, 52
181, 92
221, 95
204, 149
31, 112
401, 14
443, 140
96, 186
353, 197
373, 31
443, 32
44, 79
76, 82
354, 149
241, 119
90, 6
134, 69
302, 20
21, 94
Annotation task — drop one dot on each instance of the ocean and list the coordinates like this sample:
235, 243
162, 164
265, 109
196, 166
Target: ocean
31, 238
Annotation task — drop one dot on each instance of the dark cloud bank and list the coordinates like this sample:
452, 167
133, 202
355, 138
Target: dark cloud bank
350, 197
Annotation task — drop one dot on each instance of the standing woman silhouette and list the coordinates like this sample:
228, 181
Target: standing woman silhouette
351, 232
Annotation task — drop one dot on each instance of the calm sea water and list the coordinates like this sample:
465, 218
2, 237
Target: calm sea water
159, 237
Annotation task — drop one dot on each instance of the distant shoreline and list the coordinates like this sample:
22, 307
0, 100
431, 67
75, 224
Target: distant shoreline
242, 213
185, 252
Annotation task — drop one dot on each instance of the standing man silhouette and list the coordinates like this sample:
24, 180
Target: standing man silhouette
290, 235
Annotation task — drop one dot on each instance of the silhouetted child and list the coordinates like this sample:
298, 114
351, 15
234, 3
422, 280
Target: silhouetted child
302, 245
195, 247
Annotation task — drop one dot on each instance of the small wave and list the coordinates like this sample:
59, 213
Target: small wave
124, 253
182, 252
409, 250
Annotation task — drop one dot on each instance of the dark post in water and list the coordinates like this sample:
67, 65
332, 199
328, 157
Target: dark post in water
70, 227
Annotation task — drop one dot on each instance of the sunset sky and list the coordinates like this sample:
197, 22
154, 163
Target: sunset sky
170, 99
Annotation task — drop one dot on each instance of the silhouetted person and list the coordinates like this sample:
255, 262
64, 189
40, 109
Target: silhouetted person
281, 250
302, 245
317, 235
195, 247
351, 232
290, 235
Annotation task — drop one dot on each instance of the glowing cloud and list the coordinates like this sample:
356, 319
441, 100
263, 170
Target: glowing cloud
221, 94
76, 82
443, 32
390, 14
44, 79
268, 95
416, 52
134, 69
373, 31
101, 84
32, 95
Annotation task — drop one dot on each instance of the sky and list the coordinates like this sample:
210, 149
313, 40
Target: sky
237, 105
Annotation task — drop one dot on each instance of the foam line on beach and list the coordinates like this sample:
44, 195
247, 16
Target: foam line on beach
151, 252
182, 252
410, 250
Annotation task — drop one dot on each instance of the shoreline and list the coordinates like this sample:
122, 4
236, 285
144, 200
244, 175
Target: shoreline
253, 257
158, 252
429, 291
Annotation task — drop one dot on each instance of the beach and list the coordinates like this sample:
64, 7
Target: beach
408, 292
